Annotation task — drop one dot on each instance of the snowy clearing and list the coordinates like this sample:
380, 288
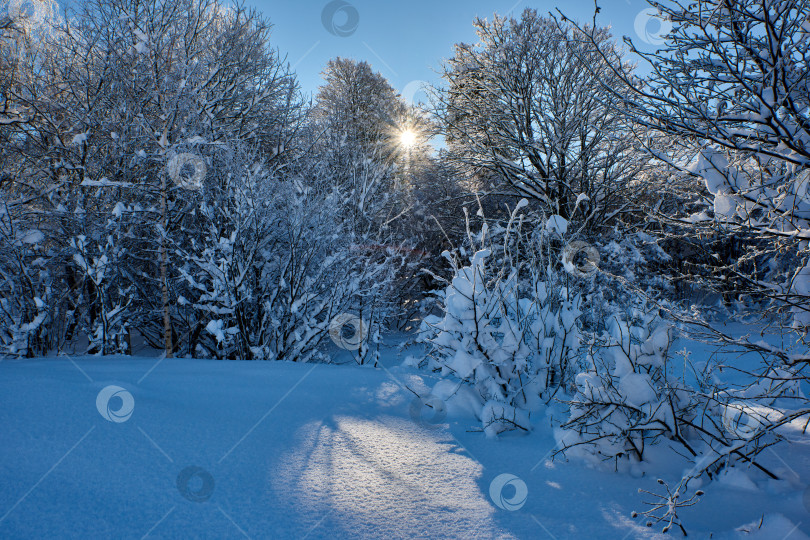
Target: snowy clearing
305, 451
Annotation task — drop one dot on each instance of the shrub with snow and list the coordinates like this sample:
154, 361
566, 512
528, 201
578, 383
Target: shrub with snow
508, 327
109, 293
26, 285
276, 266
627, 396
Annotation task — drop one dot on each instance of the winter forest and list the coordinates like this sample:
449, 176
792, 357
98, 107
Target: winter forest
567, 295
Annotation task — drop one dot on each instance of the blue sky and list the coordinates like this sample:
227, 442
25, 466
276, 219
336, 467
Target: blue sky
407, 40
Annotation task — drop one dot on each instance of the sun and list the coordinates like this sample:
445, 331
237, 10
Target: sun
407, 138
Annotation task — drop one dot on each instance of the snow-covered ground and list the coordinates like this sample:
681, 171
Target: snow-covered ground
211, 449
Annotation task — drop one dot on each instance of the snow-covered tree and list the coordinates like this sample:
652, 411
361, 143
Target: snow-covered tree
525, 108
357, 122
729, 87
275, 266
358, 106
31, 310
126, 103
374, 149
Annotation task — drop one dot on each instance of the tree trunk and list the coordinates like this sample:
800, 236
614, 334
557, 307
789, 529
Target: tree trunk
164, 270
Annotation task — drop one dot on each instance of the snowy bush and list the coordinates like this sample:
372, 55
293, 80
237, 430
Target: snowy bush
628, 395
109, 290
508, 327
26, 284
275, 266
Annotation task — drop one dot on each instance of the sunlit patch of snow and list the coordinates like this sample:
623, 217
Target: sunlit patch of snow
369, 471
